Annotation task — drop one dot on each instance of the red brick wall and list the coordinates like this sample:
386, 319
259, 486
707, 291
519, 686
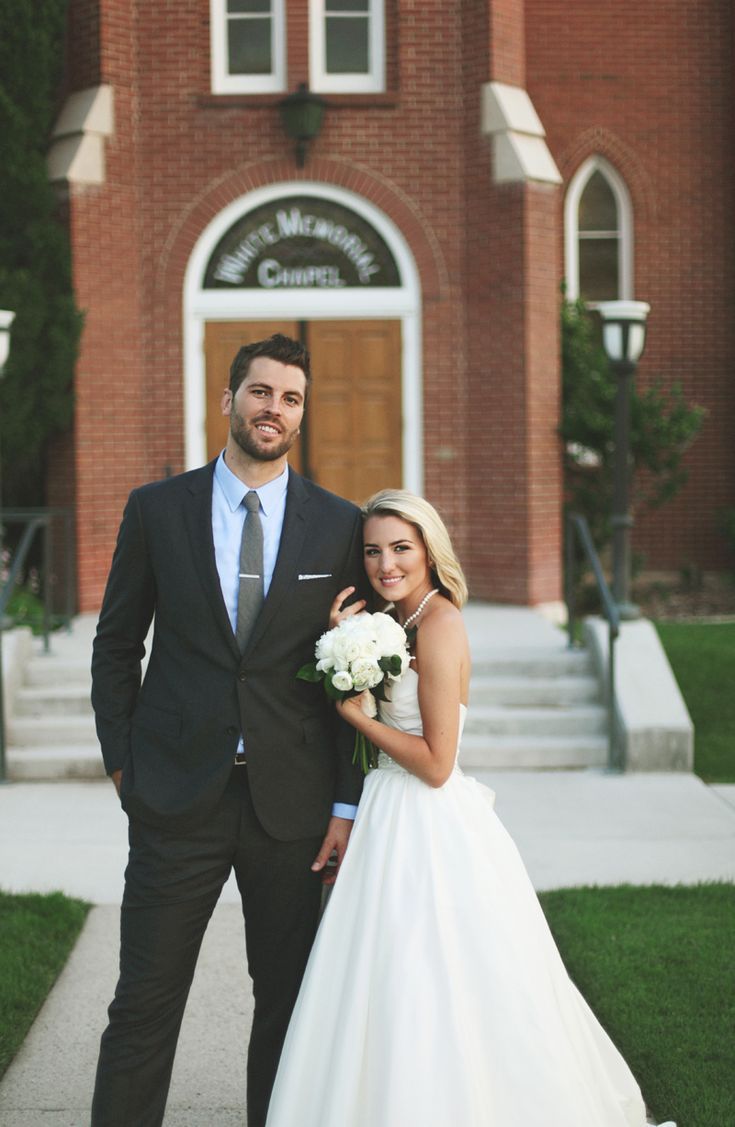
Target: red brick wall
487, 257
111, 414
651, 89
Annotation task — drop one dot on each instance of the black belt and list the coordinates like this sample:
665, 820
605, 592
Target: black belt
240, 759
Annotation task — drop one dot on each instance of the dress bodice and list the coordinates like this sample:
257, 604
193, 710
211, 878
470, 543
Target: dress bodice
402, 712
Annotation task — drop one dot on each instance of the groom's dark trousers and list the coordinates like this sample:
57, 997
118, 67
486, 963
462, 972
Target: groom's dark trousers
194, 815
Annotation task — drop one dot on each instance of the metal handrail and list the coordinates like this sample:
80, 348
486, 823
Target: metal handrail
34, 520
577, 527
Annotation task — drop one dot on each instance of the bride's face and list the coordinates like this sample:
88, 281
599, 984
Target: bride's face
396, 560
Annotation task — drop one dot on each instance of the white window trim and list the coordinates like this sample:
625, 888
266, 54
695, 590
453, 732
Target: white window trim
225, 83
619, 190
373, 81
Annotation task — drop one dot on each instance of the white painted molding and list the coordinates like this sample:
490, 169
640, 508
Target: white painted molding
520, 152
77, 152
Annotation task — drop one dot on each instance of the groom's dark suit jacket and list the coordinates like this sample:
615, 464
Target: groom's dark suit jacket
175, 736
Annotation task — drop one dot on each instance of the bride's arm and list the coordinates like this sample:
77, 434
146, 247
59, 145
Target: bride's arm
442, 655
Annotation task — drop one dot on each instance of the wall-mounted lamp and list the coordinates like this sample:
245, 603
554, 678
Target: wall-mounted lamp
302, 114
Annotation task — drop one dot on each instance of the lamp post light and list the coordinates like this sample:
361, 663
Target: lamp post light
302, 114
6, 320
623, 338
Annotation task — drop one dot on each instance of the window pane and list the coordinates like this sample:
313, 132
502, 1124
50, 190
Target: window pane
597, 208
248, 6
347, 45
347, 5
249, 46
598, 269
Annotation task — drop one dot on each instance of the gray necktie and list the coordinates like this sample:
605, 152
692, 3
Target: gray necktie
250, 597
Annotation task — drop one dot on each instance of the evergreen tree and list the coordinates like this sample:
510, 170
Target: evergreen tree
36, 400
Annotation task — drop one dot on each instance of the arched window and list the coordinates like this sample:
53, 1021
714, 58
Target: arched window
598, 227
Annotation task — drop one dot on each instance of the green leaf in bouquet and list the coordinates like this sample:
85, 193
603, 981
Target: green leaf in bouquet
332, 693
309, 672
378, 690
391, 664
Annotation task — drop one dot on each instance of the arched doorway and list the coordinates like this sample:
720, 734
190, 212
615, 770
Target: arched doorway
319, 263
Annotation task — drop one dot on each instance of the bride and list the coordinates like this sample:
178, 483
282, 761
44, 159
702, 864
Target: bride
434, 995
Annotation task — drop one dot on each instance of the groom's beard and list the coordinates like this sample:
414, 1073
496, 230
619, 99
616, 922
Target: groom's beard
247, 438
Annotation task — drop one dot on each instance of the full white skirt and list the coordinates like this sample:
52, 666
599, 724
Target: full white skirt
435, 995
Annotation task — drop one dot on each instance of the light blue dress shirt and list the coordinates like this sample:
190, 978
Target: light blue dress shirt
228, 518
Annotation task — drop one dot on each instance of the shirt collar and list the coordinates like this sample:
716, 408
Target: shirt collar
234, 489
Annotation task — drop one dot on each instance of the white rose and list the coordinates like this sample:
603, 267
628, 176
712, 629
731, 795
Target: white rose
347, 649
342, 681
324, 650
390, 635
366, 673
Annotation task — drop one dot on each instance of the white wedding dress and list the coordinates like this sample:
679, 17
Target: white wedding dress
435, 995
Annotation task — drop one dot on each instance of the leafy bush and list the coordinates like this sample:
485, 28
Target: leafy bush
36, 399
663, 426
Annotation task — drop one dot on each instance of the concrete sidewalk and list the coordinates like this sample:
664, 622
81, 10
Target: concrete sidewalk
572, 828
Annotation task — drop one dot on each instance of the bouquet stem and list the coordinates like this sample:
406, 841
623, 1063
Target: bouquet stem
365, 754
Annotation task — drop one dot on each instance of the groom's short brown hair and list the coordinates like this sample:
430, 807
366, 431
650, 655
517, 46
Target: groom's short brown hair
278, 347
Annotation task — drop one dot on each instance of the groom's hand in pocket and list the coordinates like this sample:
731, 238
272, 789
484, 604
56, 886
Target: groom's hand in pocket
334, 846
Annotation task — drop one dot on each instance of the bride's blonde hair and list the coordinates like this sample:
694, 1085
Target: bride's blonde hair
446, 571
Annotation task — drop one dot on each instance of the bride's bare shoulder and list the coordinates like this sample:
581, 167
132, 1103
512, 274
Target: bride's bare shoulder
443, 623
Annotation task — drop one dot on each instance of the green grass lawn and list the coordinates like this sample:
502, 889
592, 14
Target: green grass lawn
37, 934
703, 659
656, 966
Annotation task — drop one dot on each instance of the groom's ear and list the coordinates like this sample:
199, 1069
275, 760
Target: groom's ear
226, 401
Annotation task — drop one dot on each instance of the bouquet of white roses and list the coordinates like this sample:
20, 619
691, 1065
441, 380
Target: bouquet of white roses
363, 652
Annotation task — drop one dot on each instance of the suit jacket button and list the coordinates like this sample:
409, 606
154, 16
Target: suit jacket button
242, 676
231, 731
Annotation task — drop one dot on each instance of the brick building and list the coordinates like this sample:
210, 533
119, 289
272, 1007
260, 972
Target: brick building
471, 156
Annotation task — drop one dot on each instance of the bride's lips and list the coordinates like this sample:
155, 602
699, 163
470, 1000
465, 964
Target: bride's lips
390, 580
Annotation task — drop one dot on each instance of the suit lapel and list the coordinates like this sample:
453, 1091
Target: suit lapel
198, 520
292, 539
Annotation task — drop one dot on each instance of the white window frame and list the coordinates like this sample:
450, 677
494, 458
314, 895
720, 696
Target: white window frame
371, 82
621, 194
225, 83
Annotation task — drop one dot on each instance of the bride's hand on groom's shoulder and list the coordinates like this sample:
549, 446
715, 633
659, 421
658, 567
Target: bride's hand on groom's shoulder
338, 613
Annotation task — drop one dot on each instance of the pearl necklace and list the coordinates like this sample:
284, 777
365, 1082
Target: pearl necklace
420, 607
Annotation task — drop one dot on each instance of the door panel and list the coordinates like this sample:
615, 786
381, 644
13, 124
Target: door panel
355, 408
353, 425
222, 339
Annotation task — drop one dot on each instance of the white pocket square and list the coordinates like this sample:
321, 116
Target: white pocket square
323, 575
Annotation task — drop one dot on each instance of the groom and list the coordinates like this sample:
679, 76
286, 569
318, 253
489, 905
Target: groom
221, 757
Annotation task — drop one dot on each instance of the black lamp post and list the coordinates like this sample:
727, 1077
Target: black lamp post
302, 114
623, 338
6, 320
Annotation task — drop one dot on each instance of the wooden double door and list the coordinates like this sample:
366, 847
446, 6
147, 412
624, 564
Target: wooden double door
351, 437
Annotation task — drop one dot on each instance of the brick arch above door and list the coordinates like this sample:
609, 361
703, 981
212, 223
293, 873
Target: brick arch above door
403, 211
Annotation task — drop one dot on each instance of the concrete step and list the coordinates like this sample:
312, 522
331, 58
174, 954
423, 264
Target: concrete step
531, 663
552, 692
493, 721
54, 669
45, 701
48, 764
532, 753
51, 731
